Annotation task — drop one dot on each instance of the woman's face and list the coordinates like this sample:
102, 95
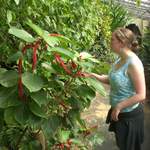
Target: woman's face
116, 45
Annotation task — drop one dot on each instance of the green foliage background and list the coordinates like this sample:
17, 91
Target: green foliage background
87, 26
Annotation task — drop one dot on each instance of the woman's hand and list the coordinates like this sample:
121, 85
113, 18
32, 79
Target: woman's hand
102, 78
85, 74
115, 113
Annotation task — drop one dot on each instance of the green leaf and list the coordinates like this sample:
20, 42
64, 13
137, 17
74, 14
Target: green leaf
15, 56
75, 103
96, 85
22, 114
32, 145
93, 60
62, 51
17, 2
85, 55
34, 121
86, 64
8, 97
56, 84
47, 66
86, 91
36, 28
2, 70
105, 67
64, 39
77, 141
40, 97
52, 41
33, 82
22, 34
9, 116
9, 16
1, 119
63, 136
9, 78
50, 126
75, 117
37, 110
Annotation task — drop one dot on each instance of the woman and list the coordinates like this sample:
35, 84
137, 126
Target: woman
127, 82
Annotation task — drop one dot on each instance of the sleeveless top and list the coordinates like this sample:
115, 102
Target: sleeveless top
121, 85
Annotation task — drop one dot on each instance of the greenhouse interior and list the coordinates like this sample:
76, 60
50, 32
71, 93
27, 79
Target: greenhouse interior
74, 74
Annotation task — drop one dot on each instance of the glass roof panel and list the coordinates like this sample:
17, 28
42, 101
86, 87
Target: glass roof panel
142, 11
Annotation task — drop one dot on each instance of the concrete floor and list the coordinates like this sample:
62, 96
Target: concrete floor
96, 115
110, 144
146, 145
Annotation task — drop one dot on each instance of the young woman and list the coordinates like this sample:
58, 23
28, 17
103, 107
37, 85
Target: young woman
127, 82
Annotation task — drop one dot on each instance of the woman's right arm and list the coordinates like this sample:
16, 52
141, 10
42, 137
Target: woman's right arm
101, 78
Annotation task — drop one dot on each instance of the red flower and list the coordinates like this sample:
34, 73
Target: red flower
20, 87
74, 65
55, 34
79, 74
62, 64
34, 57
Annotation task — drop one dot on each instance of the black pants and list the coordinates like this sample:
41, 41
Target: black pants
129, 130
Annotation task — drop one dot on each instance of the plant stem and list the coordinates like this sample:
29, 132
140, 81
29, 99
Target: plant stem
20, 138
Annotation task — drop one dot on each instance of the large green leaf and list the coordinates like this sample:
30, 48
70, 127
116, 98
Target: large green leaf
8, 97
63, 51
37, 110
36, 28
86, 91
31, 145
2, 70
15, 56
9, 16
9, 78
96, 85
40, 97
56, 84
105, 67
52, 41
34, 121
48, 67
33, 82
22, 114
85, 55
75, 118
65, 39
76, 103
9, 116
50, 125
22, 34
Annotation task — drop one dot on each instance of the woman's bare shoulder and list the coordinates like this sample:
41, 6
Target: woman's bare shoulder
136, 63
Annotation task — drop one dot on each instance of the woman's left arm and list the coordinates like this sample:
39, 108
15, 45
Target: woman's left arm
136, 72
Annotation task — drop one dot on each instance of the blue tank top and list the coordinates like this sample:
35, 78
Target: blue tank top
121, 85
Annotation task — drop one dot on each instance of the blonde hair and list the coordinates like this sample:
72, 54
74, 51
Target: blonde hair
127, 37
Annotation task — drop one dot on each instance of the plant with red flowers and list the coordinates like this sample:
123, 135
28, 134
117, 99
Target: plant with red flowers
47, 92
